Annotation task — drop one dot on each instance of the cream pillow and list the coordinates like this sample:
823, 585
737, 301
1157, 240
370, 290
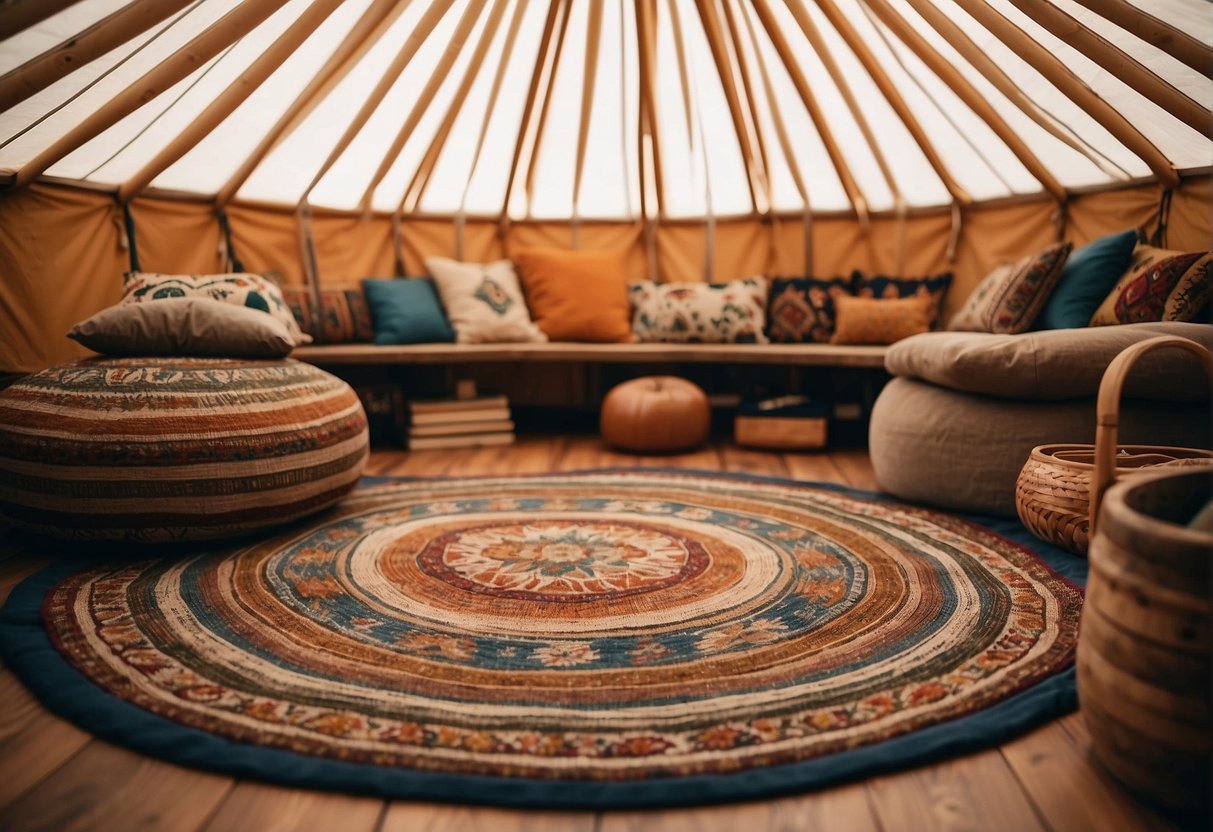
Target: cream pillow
483, 301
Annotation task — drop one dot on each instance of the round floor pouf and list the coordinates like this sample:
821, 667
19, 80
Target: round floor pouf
160, 449
655, 413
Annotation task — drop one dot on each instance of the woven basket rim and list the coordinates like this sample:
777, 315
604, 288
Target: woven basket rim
1046, 453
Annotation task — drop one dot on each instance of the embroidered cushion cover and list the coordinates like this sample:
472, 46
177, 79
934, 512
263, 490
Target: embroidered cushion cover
343, 316
1010, 297
184, 326
700, 312
881, 320
483, 301
242, 289
1159, 285
801, 309
577, 295
883, 286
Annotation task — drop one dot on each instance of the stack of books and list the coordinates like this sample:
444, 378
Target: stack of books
458, 423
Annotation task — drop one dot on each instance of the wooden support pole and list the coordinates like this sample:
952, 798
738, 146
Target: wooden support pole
365, 33
227, 101
646, 37
216, 37
59, 61
1175, 42
969, 95
1044, 62
424, 98
748, 86
1125, 67
860, 48
593, 36
545, 104
18, 15
775, 33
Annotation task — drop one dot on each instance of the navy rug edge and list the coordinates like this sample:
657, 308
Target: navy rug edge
27, 650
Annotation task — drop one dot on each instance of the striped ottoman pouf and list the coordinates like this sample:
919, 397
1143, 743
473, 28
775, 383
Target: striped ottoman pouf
159, 449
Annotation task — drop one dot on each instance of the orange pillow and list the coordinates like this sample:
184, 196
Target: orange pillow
577, 295
880, 320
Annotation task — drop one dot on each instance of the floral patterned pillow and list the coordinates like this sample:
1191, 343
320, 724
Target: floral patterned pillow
700, 312
241, 289
483, 301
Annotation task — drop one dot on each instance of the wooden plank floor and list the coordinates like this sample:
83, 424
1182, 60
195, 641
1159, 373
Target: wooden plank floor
54, 776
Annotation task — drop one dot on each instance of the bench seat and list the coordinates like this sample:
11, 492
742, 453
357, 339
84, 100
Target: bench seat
804, 355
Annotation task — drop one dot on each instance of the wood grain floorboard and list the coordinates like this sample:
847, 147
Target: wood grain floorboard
54, 777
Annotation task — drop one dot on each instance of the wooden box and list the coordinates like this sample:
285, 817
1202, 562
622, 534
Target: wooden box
789, 423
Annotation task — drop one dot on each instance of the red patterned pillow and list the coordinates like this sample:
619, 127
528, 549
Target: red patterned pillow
1008, 300
801, 309
343, 317
1160, 285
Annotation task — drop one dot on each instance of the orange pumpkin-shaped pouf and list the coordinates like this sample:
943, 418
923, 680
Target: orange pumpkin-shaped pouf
655, 413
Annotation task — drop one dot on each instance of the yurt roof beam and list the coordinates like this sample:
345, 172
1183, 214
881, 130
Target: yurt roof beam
218, 36
507, 49
813, 34
370, 27
528, 107
1124, 66
232, 97
994, 74
646, 35
59, 61
1052, 68
545, 105
849, 185
589, 80
970, 96
18, 15
421, 177
1175, 42
755, 176
731, 17
861, 50
408, 49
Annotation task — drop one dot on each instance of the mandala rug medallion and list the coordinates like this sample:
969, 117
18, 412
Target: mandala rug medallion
602, 639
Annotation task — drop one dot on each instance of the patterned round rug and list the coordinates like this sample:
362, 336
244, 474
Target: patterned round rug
605, 639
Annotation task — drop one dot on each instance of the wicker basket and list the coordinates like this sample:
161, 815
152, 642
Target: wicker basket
1059, 489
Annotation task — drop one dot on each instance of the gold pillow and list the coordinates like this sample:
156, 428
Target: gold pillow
880, 320
577, 295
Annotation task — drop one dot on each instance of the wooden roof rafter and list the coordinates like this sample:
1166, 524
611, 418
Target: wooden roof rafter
1051, 67
18, 15
1175, 42
232, 97
1119, 63
589, 82
365, 33
649, 135
221, 34
425, 26
545, 104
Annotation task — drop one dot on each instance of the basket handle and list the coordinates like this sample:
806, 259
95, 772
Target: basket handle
1107, 408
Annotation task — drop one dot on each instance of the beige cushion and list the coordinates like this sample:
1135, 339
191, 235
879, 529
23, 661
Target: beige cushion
1053, 364
964, 451
1010, 297
184, 327
483, 301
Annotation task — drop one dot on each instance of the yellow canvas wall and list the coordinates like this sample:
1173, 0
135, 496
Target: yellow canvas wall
62, 249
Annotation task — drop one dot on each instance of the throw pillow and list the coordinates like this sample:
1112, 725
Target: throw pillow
483, 301
251, 290
881, 320
184, 327
802, 308
1010, 298
1088, 276
406, 311
700, 312
577, 295
882, 286
342, 317
1159, 285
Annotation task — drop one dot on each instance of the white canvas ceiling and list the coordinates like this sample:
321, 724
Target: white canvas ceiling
735, 128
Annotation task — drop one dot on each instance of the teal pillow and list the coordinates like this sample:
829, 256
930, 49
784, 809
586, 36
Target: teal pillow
1088, 276
406, 311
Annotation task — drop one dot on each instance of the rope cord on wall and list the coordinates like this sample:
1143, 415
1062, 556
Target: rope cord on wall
229, 246
128, 221
1159, 237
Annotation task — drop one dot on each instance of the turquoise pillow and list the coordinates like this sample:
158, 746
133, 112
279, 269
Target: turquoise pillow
1088, 276
406, 311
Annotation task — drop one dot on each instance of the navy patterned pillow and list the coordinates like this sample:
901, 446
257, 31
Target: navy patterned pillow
882, 286
801, 309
